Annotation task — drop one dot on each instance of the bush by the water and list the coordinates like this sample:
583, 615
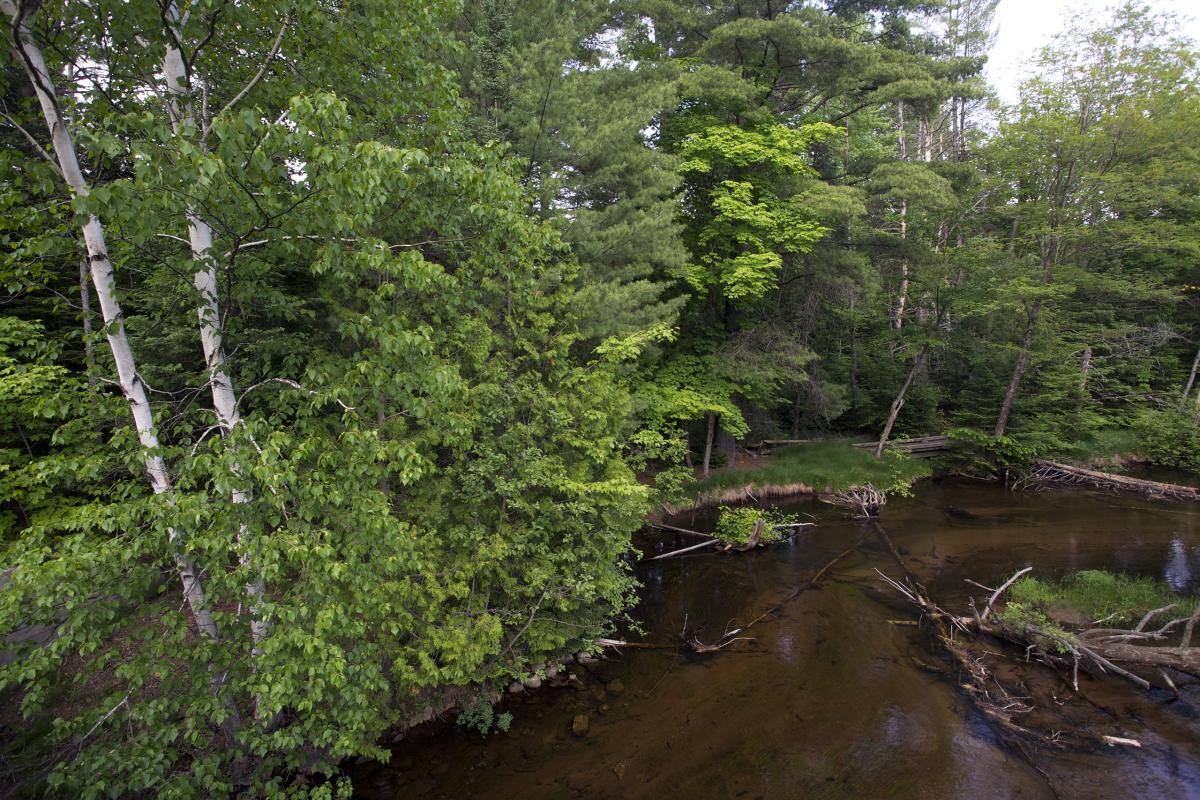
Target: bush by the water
1169, 438
736, 525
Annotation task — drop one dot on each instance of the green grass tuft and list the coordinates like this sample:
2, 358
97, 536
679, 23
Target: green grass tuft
1097, 594
824, 466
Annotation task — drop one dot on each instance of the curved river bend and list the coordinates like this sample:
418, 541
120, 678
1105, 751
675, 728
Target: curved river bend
832, 698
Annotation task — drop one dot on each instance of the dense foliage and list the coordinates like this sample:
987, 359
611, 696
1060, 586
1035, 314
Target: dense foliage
335, 335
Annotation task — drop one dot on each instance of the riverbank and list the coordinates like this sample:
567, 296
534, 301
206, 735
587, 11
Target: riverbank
804, 470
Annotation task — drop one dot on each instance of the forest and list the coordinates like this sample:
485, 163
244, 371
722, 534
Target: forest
344, 346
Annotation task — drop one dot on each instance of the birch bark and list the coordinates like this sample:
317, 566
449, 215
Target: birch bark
208, 310
101, 269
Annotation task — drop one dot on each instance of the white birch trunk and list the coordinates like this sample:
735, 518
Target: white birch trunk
208, 310
103, 278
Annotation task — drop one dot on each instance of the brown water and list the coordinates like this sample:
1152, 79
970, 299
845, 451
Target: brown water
832, 699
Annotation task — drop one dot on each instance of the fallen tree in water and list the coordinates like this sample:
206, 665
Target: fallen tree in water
1098, 647
1050, 472
732, 633
738, 529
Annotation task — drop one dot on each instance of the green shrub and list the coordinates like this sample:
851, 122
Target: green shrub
482, 717
735, 526
1169, 438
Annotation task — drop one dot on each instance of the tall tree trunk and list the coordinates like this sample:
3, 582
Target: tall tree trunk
1085, 366
85, 313
208, 310
1187, 389
796, 404
902, 149
1022, 364
853, 348
101, 270
902, 300
709, 435
898, 403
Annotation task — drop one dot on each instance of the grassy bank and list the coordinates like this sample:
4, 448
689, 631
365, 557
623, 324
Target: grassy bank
830, 466
1095, 595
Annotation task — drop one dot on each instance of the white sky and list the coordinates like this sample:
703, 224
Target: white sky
1024, 26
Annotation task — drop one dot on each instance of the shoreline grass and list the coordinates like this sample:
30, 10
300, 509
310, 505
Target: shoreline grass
812, 468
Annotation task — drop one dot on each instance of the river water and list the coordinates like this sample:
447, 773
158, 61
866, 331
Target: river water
834, 697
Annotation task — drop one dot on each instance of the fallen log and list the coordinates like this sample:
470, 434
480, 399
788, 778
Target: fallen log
1051, 472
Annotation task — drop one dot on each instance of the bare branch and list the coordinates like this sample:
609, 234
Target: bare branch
258, 76
996, 594
37, 147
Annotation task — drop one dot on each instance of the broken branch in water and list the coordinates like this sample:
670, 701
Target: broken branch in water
996, 594
683, 550
684, 531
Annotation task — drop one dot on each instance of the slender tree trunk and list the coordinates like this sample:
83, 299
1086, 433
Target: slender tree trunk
1187, 389
902, 300
85, 313
853, 349
902, 148
898, 403
708, 440
1085, 367
101, 270
208, 312
796, 403
1018, 373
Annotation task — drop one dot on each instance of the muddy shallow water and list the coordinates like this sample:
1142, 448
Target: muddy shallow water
832, 698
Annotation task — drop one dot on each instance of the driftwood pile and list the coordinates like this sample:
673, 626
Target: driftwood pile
1095, 649
864, 501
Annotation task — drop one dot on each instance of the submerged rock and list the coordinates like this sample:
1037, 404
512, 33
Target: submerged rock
580, 725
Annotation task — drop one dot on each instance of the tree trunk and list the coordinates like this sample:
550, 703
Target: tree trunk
1187, 390
208, 311
101, 270
902, 149
1085, 367
902, 300
898, 403
85, 313
796, 405
708, 440
1014, 383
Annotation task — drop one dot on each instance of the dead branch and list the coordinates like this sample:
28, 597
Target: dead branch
865, 500
996, 594
1187, 629
681, 551
684, 531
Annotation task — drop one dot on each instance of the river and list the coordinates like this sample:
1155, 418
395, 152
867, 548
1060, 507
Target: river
833, 698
